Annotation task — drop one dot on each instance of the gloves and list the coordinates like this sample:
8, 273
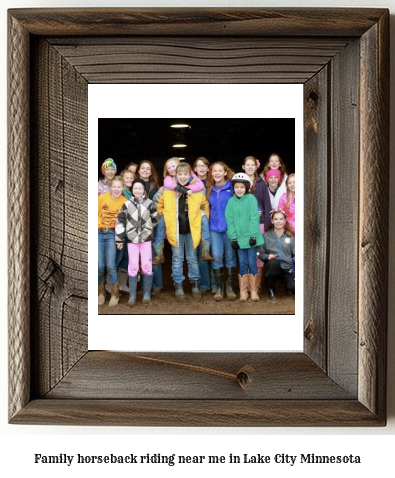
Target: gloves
234, 244
252, 241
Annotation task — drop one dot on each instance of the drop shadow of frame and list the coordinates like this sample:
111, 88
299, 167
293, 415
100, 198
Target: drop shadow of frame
342, 58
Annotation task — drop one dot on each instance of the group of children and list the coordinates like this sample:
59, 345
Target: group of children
209, 215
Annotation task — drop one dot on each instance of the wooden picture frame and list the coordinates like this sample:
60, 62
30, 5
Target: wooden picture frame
342, 58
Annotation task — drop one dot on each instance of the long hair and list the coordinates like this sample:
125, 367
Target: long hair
287, 228
287, 205
283, 169
252, 158
175, 159
210, 180
153, 179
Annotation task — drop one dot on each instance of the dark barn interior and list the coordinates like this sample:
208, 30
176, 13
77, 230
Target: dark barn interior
229, 140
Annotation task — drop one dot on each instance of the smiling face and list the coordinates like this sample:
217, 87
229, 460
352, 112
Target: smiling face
278, 220
249, 167
145, 171
182, 177
109, 173
116, 189
219, 174
273, 182
274, 162
201, 170
138, 190
291, 185
128, 178
132, 168
240, 189
171, 168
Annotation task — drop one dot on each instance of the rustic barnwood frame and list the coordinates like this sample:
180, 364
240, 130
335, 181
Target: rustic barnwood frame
341, 57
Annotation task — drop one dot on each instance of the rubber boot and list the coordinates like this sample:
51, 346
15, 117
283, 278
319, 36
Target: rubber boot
219, 280
230, 294
260, 274
243, 285
102, 292
159, 257
270, 287
147, 288
253, 281
206, 251
114, 294
123, 280
179, 292
196, 294
132, 291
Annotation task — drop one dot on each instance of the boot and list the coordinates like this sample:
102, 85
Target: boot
123, 280
253, 281
260, 274
229, 283
147, 288
196, 294
114, 294
206, 251
132, 291
159, 257
219, 280
243, 285
179, 292
270, 286
102, 292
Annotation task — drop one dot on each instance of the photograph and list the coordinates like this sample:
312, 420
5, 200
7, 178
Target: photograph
176, 232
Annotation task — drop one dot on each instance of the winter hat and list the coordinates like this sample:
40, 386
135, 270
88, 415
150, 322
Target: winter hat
108, 163
137, 180
274, 172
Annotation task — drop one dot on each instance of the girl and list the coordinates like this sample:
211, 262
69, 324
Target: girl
147, 172
108, 169
201, 167
242, 217
219, 191
278, 254
109, 207
193, 185
287, 201
132, 167
135, 222
128, 178
276, 163
260, 190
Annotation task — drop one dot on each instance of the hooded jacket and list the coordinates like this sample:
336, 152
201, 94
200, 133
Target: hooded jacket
218, 200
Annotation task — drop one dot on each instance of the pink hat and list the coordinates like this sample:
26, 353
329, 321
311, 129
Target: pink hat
272, 172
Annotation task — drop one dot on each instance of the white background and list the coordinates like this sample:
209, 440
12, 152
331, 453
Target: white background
176, 332
19, 443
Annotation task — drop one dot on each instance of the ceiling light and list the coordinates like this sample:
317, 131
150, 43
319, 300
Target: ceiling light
181, 159
179, 145
179, 125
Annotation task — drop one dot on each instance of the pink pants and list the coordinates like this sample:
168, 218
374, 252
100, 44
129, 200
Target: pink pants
259, 263
141, 251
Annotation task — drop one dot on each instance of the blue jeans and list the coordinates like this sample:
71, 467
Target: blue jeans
221, 246
160, 230
185, 242
109, 256
247, 261
205, 229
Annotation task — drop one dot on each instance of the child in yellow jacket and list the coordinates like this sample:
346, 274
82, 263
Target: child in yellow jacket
183, 230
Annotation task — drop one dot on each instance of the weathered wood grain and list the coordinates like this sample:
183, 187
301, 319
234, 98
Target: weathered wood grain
316, 213
334, 382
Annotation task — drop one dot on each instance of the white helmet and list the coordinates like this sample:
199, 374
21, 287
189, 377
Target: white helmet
241, 178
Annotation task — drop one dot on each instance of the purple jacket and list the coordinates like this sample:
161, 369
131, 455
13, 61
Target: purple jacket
218, 200
262, 194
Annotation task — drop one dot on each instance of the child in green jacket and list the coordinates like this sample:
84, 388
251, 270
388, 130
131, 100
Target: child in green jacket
242, 218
